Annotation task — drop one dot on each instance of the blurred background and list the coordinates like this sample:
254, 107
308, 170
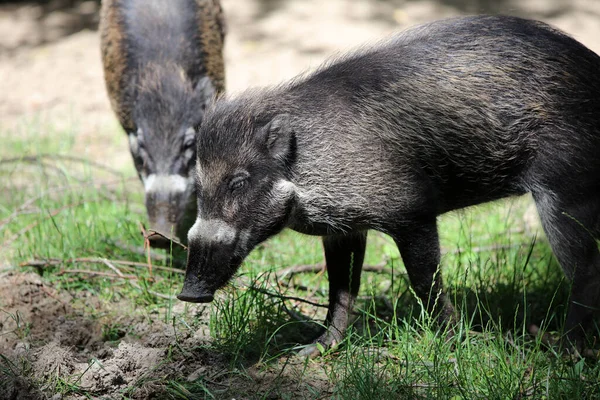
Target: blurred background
50, 63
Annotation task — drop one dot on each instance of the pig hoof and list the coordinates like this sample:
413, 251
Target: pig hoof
318, 347
190, 298
310, 351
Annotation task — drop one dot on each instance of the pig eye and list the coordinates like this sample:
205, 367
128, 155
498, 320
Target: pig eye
238, 182
189, 137
189, 144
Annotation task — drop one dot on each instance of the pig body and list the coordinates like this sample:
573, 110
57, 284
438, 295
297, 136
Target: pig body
163, 63
443, 116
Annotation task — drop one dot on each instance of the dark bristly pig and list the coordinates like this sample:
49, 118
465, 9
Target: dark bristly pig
163, 63
443, 116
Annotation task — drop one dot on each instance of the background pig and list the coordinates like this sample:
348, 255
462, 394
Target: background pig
163, 62
440, 117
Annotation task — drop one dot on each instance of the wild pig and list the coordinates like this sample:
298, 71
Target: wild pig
163, 62
443, 116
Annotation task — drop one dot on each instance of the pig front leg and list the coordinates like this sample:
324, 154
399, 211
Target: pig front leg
344, 255
420, 251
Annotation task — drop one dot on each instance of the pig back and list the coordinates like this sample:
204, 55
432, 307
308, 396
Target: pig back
187, 34
466, 105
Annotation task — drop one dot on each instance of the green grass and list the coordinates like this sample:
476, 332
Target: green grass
72, 215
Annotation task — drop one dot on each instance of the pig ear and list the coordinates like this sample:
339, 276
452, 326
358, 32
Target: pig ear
205, 91
278, 136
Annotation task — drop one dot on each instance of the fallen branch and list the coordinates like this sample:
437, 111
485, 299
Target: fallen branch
144, 265
152, 292
381, 267
292, 313
300, 269
55, 262
283, 297
146, 247
150, 232
111, 266
295, 315
118, 275
482, 249
138, 250
316, 268
98, 273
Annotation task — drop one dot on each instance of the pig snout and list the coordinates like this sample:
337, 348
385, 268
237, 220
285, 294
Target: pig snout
160, 223
194, 290
166, 203
205, 272
211, 260
159, 242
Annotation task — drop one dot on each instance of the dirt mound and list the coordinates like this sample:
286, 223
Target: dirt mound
17, 388
54, 360
50, 337
59, 342
129, 363
39, 333
33, 312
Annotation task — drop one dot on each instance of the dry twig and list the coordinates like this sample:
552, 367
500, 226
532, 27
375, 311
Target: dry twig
283, 297
146, 247
150, 232
54, 262
98, 273
117, 275
111, 266
482, 249
304, 268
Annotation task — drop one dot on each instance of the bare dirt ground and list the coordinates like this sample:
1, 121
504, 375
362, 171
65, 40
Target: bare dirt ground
59, 334
50, 72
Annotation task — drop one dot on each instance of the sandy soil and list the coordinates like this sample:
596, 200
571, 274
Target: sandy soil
50, 72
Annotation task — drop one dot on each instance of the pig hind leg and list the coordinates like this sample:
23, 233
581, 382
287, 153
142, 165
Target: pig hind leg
572, 224
420, 250
344, 255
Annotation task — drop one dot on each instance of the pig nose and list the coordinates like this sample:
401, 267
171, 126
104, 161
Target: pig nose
166, 231
195, 292
159, 242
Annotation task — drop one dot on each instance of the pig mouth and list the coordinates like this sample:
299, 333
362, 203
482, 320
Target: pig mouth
196, 290
159, 236
162, 243
201, 290
196, 297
